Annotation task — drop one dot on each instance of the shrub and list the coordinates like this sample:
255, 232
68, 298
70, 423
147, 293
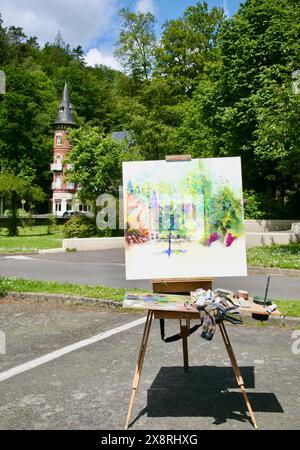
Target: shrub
21, 213
106, 232
252, 205
80, 227
52, 224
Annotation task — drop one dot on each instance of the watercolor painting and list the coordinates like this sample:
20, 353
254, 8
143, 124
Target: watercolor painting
161, 302
184, 219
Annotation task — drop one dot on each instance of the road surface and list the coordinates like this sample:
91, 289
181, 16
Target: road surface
71, 368
107, 267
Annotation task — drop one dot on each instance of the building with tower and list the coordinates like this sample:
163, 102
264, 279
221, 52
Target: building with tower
64, 198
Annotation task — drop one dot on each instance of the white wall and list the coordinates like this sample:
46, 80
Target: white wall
258, 233
268, 225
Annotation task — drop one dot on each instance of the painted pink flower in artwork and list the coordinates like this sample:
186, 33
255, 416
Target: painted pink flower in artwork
212, 238
230, 239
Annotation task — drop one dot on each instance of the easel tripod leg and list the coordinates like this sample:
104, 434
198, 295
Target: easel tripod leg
139, 365
184, 330
237, 371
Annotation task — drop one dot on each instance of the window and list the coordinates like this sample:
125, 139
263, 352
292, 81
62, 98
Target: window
58, 163
84, 208
71, 186
58, 139
58, 206
69, 206
58, 182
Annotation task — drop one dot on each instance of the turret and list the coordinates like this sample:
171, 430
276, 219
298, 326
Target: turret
64, 118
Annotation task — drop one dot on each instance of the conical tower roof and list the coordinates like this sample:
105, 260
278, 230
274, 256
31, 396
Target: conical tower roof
64, 115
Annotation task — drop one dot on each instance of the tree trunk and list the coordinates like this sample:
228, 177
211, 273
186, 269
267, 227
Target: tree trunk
94, 208
13, 216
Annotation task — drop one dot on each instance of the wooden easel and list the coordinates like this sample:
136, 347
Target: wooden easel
182, 286
187, 316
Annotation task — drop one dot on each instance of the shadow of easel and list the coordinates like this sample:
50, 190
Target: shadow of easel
205, 392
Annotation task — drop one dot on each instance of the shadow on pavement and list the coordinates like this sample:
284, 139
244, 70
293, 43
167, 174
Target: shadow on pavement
204, 392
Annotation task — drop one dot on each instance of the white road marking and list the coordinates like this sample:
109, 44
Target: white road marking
64, 262
17, 257
65, 350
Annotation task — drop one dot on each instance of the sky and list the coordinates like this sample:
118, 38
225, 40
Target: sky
93, 24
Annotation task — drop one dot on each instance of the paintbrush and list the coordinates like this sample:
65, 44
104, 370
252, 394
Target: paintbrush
267, 290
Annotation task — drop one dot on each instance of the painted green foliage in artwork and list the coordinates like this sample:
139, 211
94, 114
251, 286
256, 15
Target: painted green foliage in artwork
224, 214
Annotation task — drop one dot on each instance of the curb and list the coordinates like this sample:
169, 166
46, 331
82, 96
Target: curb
284, 321
37, 252
42, 297
51, 250
19, 254
256, 270
61, 298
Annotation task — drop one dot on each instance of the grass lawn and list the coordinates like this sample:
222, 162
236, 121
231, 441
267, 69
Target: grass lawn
52, 287
31, 239
287, 307
282, 256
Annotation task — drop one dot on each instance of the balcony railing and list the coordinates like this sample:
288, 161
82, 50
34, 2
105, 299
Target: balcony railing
56, 167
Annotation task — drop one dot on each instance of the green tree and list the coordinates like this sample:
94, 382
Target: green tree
246, 106
3, 42
96, 162
78, 54
55, 55
136, 43
277, 145
157, 109
256, 88
35, 79
13, 189
188, 46
26, 113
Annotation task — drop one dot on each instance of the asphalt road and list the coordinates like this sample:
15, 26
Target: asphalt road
107, 267
89, 387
